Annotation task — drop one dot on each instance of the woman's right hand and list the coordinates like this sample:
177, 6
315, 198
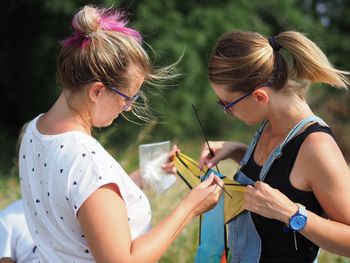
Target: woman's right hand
204, 196
221, 150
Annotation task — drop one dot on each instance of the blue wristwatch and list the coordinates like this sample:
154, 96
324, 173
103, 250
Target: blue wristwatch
298, 220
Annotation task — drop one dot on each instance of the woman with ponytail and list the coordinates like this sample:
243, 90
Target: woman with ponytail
298, 194
80, 205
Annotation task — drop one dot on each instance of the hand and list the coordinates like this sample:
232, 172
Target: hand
221, 149
169, 166
269, 202
205, 196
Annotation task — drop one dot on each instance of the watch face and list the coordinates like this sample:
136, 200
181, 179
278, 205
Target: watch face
298, 222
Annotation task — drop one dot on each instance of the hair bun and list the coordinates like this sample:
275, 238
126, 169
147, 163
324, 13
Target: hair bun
87, 20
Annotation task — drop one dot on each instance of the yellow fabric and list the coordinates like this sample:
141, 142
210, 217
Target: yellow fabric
189, 171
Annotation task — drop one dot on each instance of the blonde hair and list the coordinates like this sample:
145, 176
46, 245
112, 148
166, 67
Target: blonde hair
242, 61
101, 49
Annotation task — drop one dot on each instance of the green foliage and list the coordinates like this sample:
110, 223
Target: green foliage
174, 29
9, 190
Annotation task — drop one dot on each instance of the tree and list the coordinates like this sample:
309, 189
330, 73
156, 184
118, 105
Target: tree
174, 29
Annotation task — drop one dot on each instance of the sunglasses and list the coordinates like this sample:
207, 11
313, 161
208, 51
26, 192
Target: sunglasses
129, 100
226, 106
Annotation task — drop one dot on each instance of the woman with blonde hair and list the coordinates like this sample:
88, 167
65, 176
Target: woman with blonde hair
80, 205
298, 181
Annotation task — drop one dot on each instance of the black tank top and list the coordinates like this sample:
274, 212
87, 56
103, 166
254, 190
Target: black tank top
278, 245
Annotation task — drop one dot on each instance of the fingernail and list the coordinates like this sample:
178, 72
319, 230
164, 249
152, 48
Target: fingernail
209, 165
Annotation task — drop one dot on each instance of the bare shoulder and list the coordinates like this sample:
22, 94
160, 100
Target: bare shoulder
327, 174
321, 153
321, 148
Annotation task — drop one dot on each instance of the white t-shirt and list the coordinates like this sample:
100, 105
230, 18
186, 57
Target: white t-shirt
57, 174
15, 240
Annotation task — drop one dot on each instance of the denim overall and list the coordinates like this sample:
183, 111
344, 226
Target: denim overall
243, 239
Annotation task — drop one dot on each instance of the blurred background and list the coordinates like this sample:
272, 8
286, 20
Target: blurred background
29, 39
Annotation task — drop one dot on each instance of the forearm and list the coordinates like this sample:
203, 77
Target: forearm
152, 245
104, 220
109, 236
329, 235
271, 203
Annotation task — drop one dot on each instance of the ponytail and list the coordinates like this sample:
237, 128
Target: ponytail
243, 61
309, 62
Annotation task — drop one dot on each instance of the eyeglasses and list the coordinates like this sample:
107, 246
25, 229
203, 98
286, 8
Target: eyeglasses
227, 106
129, 100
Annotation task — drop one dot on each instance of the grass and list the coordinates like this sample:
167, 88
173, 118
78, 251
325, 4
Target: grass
184, 247
9, 190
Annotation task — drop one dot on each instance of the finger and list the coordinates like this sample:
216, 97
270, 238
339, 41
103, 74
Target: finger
249, 206
218, 189
175, 148
249, 193
207, 182
201, 163
168, 165
219, 181
170, 170
250, 188
172, 153
211, 164
261, 185
248, 197
217, 185
214, 160
203, 158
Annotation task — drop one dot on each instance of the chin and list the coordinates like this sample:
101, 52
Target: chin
249, 122
252, 122
106, 123
109, 123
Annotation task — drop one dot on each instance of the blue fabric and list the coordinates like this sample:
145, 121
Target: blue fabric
212, 235
212, 232
243, 239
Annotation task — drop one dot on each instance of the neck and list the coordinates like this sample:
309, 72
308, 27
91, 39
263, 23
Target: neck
285, 112
62, 118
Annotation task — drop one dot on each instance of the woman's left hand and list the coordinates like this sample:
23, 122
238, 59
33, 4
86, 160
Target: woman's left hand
169, 166
266, 201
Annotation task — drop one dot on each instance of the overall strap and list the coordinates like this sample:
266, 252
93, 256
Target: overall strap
277, 152
252, 145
